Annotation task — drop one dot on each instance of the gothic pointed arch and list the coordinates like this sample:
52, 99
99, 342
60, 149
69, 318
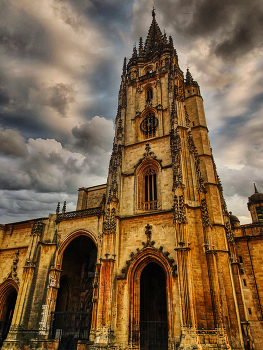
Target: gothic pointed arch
69, 238
148, 182
148, 88
8, 296
6, 288
147, 256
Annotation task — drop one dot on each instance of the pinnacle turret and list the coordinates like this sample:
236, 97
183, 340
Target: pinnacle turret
134, 55
124, 67
140, 47
171, 42
165, 38
189, 78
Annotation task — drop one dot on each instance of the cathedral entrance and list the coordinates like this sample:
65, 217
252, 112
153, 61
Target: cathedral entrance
153, 309
6, 314
71, 320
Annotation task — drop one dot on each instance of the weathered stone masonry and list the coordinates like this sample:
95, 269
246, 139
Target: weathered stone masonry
152, 256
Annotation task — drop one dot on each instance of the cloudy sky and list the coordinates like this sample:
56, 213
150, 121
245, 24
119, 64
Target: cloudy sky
60, 70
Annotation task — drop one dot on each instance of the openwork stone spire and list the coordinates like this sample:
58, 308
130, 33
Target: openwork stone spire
155, 38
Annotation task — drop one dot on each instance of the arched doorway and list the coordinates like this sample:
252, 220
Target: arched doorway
6, 313
73, 313
153, 308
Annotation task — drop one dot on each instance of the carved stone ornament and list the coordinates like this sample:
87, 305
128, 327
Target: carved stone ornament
148, 154
179, 211
187, 120
119, 129
148, 232
149, 244
205, 216
96, 277
115, 164
109, 225
80, 213
174, 116
175, 144
43, 322
220, 187
37, 228
118, 115
13, 274
229, 232
180, 90
53, 281
193, 150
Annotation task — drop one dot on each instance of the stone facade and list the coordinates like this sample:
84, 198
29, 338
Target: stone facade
154, 247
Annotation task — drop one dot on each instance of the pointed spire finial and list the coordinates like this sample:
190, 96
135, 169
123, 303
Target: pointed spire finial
58, 208
140, 46
153, 12
124, 66
171, 42
255, 188
165, 37
134, 51
64, 208
189, 78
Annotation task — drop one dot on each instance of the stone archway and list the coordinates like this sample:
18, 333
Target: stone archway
8, 296
71, 319
149, 257
153, 308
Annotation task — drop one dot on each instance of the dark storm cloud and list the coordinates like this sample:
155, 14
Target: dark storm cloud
16, 109
4, 97
93, 135
23, 205
59, 97
246, 35
111, 15
234, 26
105, 81
61, 65
29, 123
21, 35
240, 181
12, 143
46, 166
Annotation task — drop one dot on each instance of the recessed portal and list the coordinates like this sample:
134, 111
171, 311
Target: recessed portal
7, 315
153, 309
72, 317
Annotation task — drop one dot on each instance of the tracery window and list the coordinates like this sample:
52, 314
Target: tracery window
149, 125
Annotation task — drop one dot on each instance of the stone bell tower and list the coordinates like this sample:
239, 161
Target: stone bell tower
165, 215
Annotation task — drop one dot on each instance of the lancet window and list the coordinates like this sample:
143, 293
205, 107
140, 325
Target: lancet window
149, 95
148, 187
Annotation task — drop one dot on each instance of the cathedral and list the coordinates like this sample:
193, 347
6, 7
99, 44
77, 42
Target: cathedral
151, 260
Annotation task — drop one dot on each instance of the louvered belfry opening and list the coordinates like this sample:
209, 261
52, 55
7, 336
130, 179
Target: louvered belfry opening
150, 189
149, 95
153, 309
